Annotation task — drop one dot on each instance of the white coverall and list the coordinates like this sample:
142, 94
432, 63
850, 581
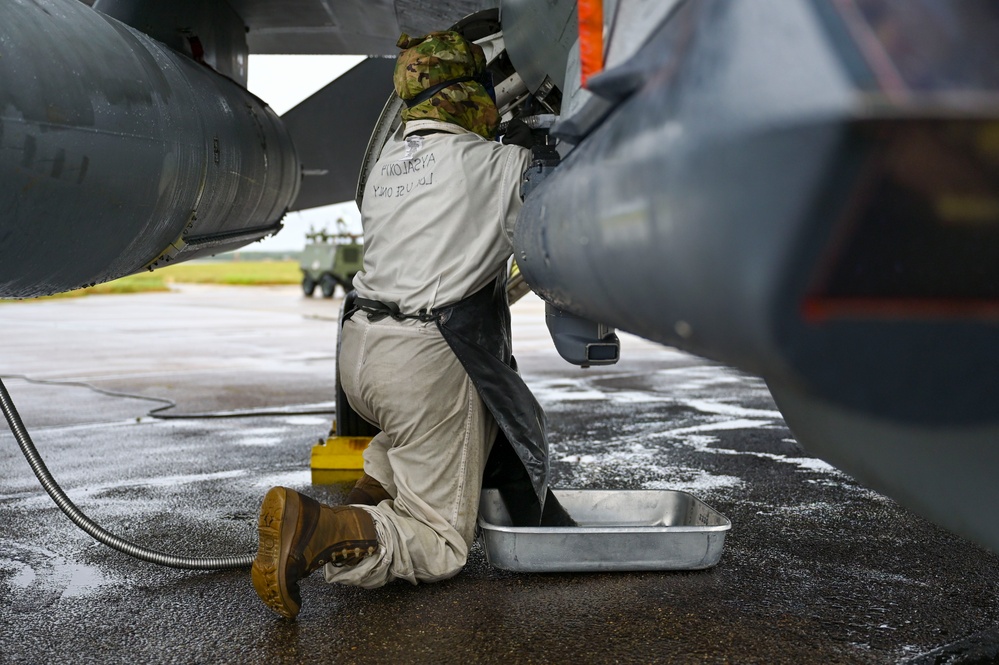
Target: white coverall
438, 215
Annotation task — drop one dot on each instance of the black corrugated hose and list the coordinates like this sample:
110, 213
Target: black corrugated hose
88, 525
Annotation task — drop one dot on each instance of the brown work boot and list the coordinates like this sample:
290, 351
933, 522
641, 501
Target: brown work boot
368, 492
299, 535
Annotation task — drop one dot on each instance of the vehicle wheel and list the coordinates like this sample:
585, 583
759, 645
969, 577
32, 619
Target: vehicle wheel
308, 285
328, 284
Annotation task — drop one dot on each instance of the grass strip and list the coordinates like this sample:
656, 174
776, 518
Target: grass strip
235, 273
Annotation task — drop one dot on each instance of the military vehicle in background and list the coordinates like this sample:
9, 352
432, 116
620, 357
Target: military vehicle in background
330, 259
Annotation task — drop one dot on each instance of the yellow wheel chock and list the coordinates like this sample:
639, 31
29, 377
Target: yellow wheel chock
338, 458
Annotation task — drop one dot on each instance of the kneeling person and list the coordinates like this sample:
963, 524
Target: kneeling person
425, 356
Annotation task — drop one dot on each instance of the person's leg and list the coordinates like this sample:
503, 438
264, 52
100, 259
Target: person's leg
353, 339
405, 378
413, 386
299, 535
367, 492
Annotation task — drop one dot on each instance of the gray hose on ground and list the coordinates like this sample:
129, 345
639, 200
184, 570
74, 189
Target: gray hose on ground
85, 523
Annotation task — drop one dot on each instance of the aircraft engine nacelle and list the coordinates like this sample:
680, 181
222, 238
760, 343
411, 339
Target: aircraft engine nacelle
118, 153
808, 191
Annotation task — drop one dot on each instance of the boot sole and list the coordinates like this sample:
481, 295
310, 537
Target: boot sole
278, 517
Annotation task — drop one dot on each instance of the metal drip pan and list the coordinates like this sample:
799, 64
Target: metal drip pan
618, 530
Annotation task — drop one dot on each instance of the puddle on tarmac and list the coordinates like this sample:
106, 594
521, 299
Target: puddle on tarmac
39, 573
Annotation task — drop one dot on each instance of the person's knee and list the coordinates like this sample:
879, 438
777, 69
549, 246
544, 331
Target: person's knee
446, 570
441, 562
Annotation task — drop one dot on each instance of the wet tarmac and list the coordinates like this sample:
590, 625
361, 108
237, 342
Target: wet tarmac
815, 569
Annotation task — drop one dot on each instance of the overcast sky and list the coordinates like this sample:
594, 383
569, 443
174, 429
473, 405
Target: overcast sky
283, 81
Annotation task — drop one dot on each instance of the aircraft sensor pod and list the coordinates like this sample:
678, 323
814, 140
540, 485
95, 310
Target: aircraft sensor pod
121, 153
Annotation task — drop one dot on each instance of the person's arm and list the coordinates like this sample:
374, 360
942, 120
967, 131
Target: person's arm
518, 159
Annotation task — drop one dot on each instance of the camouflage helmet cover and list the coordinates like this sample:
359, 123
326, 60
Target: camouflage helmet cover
435, 59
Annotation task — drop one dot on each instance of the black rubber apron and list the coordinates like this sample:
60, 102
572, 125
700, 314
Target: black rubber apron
478, 331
